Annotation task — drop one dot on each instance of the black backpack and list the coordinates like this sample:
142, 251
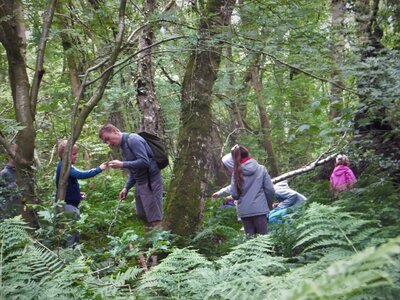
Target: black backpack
157, 146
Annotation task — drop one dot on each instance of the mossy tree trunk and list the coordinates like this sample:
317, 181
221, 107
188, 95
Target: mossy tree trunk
372, 122
25, 95
185, 199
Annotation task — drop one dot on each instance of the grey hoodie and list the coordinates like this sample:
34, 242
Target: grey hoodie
286, 196
257, 193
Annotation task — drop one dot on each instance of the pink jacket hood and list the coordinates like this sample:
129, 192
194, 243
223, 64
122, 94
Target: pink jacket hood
341, 177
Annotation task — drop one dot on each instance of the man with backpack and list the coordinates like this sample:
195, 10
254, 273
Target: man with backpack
144, 171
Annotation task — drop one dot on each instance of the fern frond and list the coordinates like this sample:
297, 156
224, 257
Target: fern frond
326, 226
112, 287
238, 281
13, 237
172, 274
352, 276
129, 275
253, 249
43, 263
185, 274
238, 289
212, 231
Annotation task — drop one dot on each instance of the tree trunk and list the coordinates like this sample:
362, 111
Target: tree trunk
338, 10
146, 96
373, 128
68, 44
234, 109
264, 121
185, 199
80, 113
13, 38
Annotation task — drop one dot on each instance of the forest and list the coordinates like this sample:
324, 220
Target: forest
296, 82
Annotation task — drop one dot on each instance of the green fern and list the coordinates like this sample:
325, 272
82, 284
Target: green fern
352, 276
253, 249
187, 275
172, 275
111, 287
216, 240
326, 226
13, 238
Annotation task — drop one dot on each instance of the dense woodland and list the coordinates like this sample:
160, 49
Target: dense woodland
296, 81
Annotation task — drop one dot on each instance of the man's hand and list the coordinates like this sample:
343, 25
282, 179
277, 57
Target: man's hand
123, 193
83, 195
274, 205
115, 164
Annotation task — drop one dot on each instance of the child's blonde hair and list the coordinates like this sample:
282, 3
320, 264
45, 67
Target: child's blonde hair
61, 147
342, 159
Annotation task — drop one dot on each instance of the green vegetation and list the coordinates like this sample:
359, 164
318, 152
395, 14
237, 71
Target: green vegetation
295, 81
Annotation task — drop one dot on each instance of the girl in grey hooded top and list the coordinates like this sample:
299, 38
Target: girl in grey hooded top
256, 196
257, 190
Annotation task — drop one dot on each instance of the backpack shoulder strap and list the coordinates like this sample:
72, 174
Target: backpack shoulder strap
130, 149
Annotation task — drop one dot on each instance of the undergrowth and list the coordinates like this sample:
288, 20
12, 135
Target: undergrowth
332, 248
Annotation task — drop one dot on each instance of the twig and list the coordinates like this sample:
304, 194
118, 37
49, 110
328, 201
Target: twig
227, 139
115, 215
98, 271
52, 154
37, 242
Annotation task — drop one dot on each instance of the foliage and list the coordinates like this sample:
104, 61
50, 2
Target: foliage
329, 253
354, 275
332, 248
216, 240
32, 271
324, 227
257, 275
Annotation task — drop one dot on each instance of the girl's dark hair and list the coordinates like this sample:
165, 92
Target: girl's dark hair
238, 153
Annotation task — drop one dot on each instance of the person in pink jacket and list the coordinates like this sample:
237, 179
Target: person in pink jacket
342, 177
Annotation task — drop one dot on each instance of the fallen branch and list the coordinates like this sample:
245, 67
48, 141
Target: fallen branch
304, 169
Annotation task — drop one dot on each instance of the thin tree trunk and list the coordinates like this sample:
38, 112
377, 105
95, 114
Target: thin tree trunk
338, 10
185, 199
146, 96
264, 122
80, 114
234, 109
68, 46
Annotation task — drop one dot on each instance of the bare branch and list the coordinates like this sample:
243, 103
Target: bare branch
304, 169
131, 56
39, 71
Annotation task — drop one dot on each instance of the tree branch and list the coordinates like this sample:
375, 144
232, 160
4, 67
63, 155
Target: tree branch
308, 168
39, 71
131, 56
293, 67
